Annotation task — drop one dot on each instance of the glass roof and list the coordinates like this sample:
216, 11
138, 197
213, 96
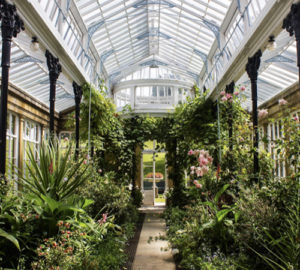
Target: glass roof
151, 39
29, 72
277, 72
176, 32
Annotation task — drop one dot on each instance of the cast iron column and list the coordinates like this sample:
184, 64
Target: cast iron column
11, 25
78, 95
252, 70
229, 90
292, 24
54, 71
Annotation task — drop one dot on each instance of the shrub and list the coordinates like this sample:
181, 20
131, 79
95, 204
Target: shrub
110, 197
83, 246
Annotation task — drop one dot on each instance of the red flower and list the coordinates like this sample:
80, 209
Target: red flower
218, 171
51, 168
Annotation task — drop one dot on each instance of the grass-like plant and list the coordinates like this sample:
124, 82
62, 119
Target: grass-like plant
54, 173
284, 252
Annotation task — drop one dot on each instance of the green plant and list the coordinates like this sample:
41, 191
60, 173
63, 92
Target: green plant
282, 251
10, 237
56, 175
109, 196
19, 230
80, 246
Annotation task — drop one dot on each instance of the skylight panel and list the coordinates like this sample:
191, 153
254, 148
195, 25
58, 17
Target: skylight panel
218, 8
273, 80
280, 70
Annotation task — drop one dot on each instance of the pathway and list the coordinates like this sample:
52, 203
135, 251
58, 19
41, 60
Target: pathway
151, 254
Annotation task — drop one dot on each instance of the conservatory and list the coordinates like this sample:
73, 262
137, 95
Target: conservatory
150, 134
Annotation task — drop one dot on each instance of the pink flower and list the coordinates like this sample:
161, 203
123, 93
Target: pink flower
262, 113
229, 96
85, 162
99, 171
296, 118
66, 139
205, 169
222, 93
192, 168
203, 162
203, 152
224, 98
191, 152
103, 219
236, 93
197, 152
195, 182
282, 102
243, 88
198, 186
199, 172
210, 159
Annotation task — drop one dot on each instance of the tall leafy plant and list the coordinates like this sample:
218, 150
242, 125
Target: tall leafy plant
54, 174
283, 252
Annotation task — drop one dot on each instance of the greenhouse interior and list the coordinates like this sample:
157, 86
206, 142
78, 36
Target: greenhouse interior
150, 134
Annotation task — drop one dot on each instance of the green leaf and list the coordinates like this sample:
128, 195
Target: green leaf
51, 203
220, 192
222, 214
237, 216
10, 238
208, 225
87, 202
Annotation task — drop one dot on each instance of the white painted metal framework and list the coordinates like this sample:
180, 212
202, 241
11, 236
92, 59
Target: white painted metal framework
183, 41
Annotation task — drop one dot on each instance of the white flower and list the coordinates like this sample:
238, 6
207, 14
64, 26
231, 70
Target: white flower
262, 113
175, 251
282, 101
130, 186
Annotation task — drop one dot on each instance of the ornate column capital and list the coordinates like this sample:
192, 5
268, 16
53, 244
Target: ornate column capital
11, 24
54, 66
230, 88
253, 65
77, 92
292, 22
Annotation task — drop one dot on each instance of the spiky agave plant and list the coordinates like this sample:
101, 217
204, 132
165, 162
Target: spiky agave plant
54, 173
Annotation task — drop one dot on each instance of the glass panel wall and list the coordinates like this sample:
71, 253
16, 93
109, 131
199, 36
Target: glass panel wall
12, 142
154, 95
31, 139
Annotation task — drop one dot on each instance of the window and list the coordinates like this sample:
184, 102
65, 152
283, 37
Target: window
32, 140
261, 136
12, 143
274, 133
64, 138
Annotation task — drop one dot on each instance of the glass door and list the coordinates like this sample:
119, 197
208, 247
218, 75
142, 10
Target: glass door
149, 177
153, 180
